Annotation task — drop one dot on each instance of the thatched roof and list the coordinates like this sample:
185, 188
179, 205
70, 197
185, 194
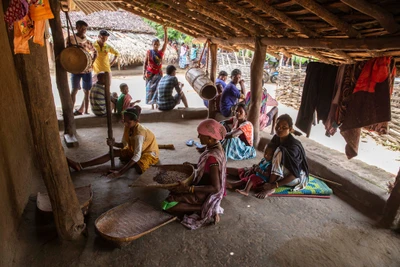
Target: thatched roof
331, 30
120, 20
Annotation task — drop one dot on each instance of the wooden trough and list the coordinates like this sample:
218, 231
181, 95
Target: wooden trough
84, 194
129, 221
171, 174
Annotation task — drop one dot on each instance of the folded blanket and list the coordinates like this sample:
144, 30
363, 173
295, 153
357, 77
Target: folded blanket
314, 187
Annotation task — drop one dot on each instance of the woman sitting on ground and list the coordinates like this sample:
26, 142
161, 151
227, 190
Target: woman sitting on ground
289, 164
238, 143
200, 201
266, 118
138, 149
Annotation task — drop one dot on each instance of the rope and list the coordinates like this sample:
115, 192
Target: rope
65, 9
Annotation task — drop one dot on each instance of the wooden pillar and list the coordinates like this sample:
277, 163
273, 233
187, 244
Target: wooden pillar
62, 77
256, 76
33, 72
213, 76
392, 207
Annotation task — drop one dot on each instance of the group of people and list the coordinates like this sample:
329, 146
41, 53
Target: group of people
100, 52
284, 161
284, 164
159, 88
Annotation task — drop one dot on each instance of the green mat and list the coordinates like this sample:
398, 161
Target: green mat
314, 187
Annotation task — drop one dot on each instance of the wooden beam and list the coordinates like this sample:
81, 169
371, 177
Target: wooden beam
327, 43
315, 54
222, 12
247, 14
62, 76
345, 56
282, 17
256, 76
179, 13
34, 74
213, 77
171, 17
182, 10
332, 19
384, 17
130, 8
205, 12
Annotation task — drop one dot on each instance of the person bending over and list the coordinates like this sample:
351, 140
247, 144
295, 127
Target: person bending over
138, 149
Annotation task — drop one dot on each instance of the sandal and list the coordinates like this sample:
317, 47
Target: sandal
77, 113
190, 142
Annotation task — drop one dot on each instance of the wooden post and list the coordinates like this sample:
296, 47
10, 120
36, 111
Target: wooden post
213, 76
62, 77
33, 71
256, 76
392, 207
109, 119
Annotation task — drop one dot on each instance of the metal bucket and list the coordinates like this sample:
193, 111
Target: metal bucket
201, 83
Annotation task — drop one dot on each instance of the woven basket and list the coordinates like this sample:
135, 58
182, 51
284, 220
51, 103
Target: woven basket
84, 194
129, 221
147, 178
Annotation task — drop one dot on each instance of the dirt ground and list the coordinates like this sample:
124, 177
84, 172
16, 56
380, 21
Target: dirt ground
252, 232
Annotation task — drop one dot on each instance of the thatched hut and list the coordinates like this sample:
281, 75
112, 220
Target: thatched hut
129, 33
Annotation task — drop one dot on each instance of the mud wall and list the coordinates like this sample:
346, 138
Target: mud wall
18, 172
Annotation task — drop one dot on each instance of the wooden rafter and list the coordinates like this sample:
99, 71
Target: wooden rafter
177, 18
345, 56
384, 17
246, 13
315, 54
182, 12
282, 17
205, 12
212, 8
326, 15
130, 8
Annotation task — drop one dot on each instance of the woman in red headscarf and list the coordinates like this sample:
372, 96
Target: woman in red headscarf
200, 201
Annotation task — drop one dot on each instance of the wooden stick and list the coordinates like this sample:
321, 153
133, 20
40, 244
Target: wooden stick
109, 121
167, 146
384, 17
325, 180
329, 17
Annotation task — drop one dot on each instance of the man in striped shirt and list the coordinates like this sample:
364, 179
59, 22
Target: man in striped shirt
98, 96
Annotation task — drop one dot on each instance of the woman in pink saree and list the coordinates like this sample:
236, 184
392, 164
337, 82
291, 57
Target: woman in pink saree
200, 201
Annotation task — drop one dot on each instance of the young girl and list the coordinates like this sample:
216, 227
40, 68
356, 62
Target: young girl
258, 174
138, 149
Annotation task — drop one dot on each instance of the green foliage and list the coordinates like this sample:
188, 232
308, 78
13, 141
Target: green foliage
173, 34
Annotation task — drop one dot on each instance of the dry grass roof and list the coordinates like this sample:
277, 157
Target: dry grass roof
120, 20
331, 30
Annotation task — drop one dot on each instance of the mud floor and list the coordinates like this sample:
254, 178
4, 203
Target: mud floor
252, 232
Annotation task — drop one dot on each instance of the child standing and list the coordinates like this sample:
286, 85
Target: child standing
124, 100
257, 174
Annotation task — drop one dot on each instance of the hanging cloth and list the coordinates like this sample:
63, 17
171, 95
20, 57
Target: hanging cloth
16, 11
40, 10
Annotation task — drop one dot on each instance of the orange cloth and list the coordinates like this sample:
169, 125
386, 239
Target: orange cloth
23, 31
40, 10
39, 27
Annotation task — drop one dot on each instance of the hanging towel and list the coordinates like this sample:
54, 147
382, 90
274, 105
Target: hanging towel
317, 94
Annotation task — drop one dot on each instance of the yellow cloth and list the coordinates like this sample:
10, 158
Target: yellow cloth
102, 62
150, 151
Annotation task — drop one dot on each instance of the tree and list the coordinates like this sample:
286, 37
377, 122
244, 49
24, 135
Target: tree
173, 34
